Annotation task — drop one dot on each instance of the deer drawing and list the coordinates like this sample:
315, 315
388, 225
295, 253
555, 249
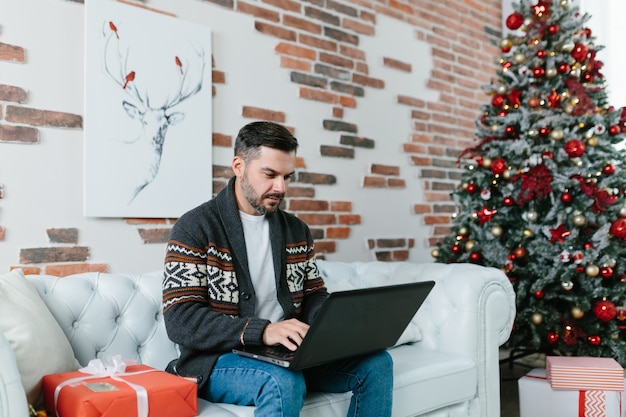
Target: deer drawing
155, 117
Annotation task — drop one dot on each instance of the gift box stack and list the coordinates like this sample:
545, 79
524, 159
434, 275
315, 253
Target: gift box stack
573, 386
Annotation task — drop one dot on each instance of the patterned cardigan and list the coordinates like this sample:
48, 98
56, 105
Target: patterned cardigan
208, 297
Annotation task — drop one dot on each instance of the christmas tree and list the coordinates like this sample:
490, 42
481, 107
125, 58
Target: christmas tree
542, 194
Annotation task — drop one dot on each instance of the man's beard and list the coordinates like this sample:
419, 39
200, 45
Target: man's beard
255, 200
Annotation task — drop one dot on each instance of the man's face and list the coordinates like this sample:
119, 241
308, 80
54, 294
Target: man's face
262, 182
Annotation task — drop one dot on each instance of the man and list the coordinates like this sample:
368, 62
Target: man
240, 271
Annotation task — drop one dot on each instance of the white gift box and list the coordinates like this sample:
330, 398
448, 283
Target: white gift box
538, 399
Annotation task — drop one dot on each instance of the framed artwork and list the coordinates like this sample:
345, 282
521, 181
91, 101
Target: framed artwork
148, 127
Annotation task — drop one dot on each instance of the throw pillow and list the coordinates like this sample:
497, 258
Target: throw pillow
37, 340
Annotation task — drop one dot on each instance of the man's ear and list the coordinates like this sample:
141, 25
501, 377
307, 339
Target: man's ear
238, 166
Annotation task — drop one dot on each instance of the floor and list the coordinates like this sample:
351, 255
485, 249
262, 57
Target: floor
510, 372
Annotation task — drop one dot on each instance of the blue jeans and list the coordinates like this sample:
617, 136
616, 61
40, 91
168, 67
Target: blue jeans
280, 392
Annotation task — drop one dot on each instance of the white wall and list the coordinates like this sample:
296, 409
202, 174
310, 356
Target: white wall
43, 182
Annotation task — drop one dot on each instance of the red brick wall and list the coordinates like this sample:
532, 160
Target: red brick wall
318, 41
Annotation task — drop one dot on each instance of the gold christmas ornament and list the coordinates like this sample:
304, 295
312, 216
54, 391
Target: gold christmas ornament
507, 174
577, 312
536, 319
556, 134
519, 58
469, 245
551, 72
531, 215
592, 270
496, 230
501, 89
506, 43
592, 141
579, 220
567, 285
622, 212
528, 232
463, 231
435, 253
486, 162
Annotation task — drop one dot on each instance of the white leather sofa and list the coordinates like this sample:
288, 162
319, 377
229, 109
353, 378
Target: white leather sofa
452, 371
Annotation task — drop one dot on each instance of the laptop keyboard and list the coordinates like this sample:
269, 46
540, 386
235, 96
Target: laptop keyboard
279, 351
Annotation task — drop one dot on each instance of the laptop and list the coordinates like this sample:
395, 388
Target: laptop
350, 323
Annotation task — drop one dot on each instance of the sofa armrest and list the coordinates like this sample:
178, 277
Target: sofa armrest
12, 397
470, 312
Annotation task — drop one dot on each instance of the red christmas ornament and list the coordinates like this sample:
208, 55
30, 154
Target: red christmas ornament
497, 100
544, 131
604, 310
563, 68
547, 154
508, 201
514, 21
594, 340
502, 113
608, 169
538, 72
614, 130
552, 337
519, 252
506, 65
474, 256
566, 197
579, 53
587, 32
618, 228
456, 249
510, 131
588, 77
541, 54
606, 272
471, 188
553, 29
574, 148
588, 245
498, 166
539, 294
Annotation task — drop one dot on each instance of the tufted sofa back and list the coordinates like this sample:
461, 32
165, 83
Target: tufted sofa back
108, 314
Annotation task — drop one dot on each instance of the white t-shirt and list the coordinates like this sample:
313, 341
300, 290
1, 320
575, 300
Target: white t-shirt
256, 230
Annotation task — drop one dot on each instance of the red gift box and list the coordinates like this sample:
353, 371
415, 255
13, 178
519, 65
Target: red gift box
135, 391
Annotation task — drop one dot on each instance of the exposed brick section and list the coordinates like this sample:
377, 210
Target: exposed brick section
336, 60
338, 232
358, 27
309, 205
347, 101
325, 246
354, 90
19, 134
368, 81
316, 219
411, 101
222, 140
158, 235
64, 270
302, 24
309, 80
342, 8
341, 35
222, 171
264, 114
395, 64
396, 183
295, 64
12, 53
37, 117
317, 42
301, 192
56, 254
337, 152
341, 206
295, 50
374, 182
339, 126
328, 71
318, 95
65, 235
349, 219
317, 14
224, 3
310, 178
385, 169
276, 31
2, 233
218, 77
260, 12
359, 142
140, 220
12, 93
422, 208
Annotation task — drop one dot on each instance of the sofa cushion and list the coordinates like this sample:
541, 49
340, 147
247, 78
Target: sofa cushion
425, 379
39, 344
344, 276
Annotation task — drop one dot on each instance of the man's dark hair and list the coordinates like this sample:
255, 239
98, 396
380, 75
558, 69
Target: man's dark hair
256, 134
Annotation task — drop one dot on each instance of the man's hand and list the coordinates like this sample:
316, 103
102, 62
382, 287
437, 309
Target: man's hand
288, 333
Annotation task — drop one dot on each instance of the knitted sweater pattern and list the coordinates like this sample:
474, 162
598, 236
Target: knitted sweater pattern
208, 296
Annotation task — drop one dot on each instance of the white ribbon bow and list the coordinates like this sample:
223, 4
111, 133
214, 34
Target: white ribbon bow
116, 369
